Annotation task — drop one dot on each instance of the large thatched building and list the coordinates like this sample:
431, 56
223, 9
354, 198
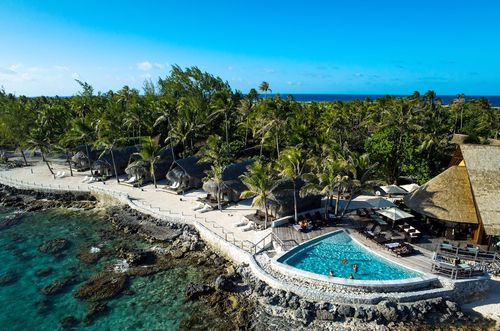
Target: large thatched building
466, 194
187, 173
232, 186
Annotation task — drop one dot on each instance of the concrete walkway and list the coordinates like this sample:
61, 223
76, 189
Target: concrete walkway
155, 200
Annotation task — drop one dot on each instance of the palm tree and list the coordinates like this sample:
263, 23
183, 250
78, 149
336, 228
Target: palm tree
150, 152
219, 155
81, 132
328, 178
245, 109
107, 139
260, 182
264, 87
291, 165
39, 139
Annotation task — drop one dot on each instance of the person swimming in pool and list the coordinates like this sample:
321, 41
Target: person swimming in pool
331, 273
344, 261
355, 267
351, 276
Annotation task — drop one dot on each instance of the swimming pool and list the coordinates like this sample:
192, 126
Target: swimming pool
325, 254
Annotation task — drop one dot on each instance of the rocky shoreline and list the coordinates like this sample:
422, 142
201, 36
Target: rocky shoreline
243, 300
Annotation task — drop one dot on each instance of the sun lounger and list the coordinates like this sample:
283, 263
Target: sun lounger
250, 226
198, 206
243, 221
392, 245
175, 185
205, 209
131, 180
86, 178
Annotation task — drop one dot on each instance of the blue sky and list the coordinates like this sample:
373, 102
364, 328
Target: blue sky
353, 47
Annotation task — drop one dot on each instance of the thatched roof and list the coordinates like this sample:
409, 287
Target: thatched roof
459, 139
447, 196
391, 189
483, 166
121, 155
191, 167
230, 177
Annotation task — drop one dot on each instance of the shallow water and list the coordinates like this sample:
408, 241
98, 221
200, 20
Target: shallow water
324, 255
152, 302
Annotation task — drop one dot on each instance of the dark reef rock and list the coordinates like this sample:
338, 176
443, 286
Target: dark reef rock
194, 291
59, 285
43, 306
43, 272
9, 277
104, 285
69, 322
94, 309
54, 246
86, 256
9, 221
227, 282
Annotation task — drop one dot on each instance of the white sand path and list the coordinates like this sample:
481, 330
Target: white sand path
39, 174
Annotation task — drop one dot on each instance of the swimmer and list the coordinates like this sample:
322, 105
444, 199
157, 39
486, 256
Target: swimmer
331, 273
351, 276
344, 261
355, 267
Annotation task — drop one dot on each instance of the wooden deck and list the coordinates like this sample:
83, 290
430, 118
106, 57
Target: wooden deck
291, 237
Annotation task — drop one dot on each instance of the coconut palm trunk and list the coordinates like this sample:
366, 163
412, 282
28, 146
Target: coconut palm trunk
295, 200
218, 197
88, 158
265, 212
47, 163
68, 159
24, 156
114, 165
153, 173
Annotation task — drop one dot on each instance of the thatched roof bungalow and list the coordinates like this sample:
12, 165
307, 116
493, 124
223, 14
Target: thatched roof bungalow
140, 170
467, 192
187, 173
281, 200
232, 185
80, 159
122, 155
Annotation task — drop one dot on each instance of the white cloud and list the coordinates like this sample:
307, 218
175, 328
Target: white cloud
148, 66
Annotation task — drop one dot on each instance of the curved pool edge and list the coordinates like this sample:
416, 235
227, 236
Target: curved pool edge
405, 284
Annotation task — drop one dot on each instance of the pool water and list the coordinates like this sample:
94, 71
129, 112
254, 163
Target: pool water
326, 254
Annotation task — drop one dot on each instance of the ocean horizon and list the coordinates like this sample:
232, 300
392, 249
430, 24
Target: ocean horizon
321, 97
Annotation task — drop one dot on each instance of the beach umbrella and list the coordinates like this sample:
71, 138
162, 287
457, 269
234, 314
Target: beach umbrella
394, 213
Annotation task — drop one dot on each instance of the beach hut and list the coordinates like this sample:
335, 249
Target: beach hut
186, 173
465, 195
410, 187
104, 165
232, 186
138, 171
281, 200
80, 159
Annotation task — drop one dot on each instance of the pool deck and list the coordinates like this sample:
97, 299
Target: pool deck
290, 237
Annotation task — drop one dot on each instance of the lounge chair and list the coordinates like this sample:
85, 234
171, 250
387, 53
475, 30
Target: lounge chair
86, 178
205, 208
175, 185
60, 174
198, 206
250, 226
243, 221
131, 180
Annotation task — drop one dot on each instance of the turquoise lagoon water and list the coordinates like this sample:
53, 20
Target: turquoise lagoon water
151, 303
325, 254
